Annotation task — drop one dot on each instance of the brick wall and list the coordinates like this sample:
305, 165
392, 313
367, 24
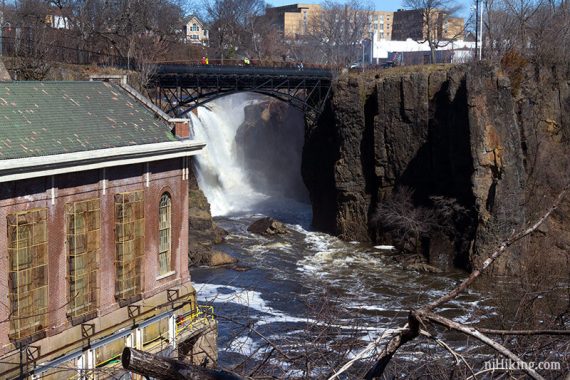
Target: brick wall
154, 179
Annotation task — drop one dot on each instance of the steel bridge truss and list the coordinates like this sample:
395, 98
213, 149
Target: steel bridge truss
180, 90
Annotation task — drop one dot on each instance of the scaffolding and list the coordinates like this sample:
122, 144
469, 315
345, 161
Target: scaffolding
28, 273
129, 243
101, 359
83, 221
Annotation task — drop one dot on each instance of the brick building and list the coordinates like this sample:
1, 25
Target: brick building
94, 219
412, 24
293, 20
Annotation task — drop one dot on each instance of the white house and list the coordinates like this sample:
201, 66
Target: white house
196, 32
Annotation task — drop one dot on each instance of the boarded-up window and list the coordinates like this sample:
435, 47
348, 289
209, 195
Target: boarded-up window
155, 336
83, 247
129, 243
164, 226
64, 371
28, 273
109, 355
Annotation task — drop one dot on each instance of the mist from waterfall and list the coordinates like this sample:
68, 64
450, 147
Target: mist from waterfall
222, 169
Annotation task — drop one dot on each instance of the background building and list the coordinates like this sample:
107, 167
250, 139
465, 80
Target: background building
196, 32
411, 24
293, 20
381, 24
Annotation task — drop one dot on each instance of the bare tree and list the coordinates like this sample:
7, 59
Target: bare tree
406, 223
266, 42
528, 27
336, 33
435, 14
231, 23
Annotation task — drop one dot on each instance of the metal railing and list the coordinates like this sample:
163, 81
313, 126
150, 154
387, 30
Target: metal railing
252, 63
200, 317
55, 51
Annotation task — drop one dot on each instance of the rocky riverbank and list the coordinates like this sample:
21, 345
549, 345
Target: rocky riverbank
203, 232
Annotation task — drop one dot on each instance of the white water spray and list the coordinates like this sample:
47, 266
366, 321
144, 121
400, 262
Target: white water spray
220, 173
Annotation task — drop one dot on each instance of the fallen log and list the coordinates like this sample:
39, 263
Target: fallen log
150, 365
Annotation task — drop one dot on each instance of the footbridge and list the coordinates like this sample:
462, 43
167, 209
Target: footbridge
179, 88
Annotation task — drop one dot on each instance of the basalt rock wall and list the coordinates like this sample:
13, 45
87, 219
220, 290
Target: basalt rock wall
493, 140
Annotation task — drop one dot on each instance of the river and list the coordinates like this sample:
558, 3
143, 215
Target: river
303, 294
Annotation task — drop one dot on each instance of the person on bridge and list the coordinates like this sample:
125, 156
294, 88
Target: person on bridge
207, 61
246, 61
203, 61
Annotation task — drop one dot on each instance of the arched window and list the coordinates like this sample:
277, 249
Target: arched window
28, 272
164, 226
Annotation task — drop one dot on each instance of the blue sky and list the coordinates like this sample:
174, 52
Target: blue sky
380, 5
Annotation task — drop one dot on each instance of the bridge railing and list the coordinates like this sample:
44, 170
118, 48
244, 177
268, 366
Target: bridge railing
252, 63
246, 71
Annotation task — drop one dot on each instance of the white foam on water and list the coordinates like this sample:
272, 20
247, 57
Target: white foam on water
373, 308
278, 245
243, 345
385, 247
210, 293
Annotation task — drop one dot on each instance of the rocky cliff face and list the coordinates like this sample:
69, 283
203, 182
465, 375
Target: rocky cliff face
203, 232
459, 133
269, 144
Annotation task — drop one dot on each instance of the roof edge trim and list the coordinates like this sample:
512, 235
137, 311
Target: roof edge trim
33, 167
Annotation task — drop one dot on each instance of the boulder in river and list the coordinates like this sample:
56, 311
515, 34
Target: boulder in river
267, 227
218, 258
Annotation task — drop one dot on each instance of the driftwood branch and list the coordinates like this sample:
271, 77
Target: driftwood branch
438, 319
160, 368
523, 332
417, 317
502, 248
411, 331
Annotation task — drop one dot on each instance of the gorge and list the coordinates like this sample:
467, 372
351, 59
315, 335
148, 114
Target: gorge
490, 141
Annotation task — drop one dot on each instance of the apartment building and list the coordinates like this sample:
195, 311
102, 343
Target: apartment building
411, 24
293, 20
94, 214
381, 24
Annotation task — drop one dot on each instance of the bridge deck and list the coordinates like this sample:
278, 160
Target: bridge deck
185, 87
183, 75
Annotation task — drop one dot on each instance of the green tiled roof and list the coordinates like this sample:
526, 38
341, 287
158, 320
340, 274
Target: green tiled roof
46, 118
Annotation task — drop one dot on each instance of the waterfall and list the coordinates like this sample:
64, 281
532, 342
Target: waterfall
252, 161
220, 174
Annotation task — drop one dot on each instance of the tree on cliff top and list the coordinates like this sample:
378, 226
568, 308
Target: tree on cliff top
436, 15
336, 32
232, 24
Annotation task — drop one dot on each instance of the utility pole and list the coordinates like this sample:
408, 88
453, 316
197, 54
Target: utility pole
476, 26
2, 27
362, 55
481, 32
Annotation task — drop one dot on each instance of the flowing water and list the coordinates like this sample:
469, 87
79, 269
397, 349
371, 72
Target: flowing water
294, 287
